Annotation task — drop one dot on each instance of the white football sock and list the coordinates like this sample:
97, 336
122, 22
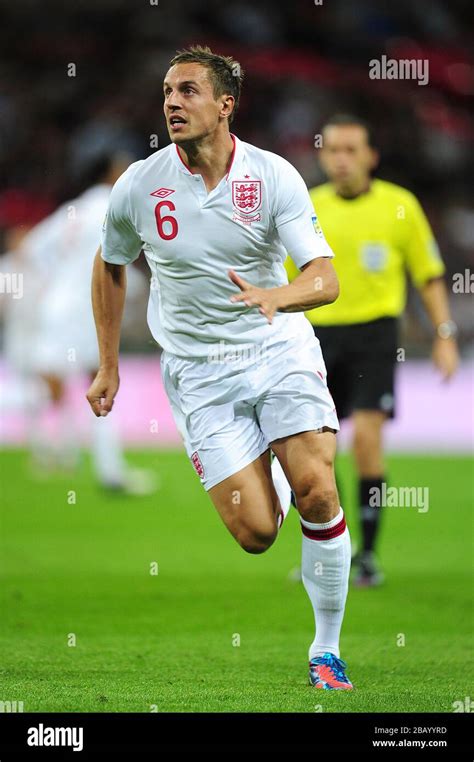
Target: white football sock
282, 488
54, 441
326, 561
107, 454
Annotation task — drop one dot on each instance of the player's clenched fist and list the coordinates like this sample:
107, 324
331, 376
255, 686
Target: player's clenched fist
252, 296
102, 391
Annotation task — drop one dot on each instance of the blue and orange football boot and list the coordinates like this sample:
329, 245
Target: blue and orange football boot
329, 673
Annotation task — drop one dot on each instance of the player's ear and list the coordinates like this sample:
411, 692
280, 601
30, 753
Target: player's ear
227, 107
374, 158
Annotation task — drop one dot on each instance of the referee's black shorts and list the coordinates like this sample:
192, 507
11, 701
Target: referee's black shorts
360, 361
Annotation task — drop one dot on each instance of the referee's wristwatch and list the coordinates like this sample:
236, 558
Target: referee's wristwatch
447, 330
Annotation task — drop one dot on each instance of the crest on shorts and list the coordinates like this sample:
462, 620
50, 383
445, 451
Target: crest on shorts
198, 467
247, 195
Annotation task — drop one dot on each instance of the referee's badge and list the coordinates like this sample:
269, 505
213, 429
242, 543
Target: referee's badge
374, 256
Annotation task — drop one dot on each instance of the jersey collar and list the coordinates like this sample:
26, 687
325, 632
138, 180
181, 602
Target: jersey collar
235, 159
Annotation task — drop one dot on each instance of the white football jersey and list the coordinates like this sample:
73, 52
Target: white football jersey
55, 316
191, 238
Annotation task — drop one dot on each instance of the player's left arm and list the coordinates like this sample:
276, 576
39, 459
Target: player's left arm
316, 285
297, 228
426, 269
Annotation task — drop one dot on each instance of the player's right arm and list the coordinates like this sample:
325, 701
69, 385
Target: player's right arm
121, 245
109, 285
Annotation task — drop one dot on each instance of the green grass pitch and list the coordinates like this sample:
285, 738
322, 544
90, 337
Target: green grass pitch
167, 642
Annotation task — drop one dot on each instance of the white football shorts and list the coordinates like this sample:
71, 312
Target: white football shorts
230, 409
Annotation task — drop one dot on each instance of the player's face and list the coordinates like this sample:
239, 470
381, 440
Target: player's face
346, 156
190, 108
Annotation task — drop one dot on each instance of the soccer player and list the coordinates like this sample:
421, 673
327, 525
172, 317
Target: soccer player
378, 231
241, 366
50, 334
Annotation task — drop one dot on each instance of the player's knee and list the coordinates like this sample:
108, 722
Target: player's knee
256, 541
317, 499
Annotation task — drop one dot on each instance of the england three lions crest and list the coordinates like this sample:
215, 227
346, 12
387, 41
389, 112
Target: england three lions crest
247, 200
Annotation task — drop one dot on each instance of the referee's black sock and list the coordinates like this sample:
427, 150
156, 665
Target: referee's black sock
370, 491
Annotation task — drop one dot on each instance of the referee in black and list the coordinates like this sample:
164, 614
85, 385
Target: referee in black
378, 232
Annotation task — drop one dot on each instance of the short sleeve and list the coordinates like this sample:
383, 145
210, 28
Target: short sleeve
422, 258
295, 218
121, 243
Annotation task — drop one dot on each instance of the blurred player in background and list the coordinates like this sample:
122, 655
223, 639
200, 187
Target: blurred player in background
377, 231
242, 374
20, 212
50, 333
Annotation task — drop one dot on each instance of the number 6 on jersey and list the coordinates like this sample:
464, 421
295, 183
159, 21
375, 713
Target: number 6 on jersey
160, 221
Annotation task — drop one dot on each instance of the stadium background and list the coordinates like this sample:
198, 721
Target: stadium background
85, 567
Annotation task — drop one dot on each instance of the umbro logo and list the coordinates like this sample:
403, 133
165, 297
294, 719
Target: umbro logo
162, 192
